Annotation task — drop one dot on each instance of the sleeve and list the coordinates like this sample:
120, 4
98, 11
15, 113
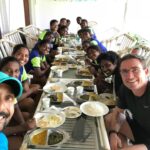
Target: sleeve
36, 62
93, 42
43, 59
24, 76
15, 101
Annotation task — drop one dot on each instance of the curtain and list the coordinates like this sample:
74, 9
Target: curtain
4, 24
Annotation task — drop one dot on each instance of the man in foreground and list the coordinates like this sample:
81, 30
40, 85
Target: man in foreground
10, 89
130, 119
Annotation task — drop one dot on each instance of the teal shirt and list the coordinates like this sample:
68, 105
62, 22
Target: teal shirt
3, 142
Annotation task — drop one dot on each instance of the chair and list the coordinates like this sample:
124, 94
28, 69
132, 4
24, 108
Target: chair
32, 30
120, 43
6, 48
15, 37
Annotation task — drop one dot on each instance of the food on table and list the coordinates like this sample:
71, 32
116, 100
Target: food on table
109, 102
77, 83
59, 67
59, 96
50, 121
85, 97
84, 83
55, 88
108, 99
87, 83
56, 97
72, 66
40, 138
90, 96
55, 138
84, 72
72, 112
93, 109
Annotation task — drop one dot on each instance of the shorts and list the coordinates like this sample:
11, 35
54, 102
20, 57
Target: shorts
140, 135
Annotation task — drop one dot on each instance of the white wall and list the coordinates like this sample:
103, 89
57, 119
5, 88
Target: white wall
137, 19
107, 16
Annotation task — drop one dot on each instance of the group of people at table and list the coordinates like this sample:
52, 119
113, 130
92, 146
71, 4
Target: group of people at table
127, 124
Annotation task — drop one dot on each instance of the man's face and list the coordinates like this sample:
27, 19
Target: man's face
6, 105
133, 74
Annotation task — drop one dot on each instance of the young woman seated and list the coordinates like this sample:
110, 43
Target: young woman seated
37, 64
21, 53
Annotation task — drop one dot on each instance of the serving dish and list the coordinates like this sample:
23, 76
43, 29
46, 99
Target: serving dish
46, 138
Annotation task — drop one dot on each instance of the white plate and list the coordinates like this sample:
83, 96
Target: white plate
54, 87
94, 109
72, 112
49, 120
63, 57
63, 68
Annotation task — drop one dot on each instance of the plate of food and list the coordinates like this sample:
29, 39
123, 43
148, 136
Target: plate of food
72, 66
62, 58
53, 80
72, 112
94, 109
107, 98
84, 72
49, 120
84, 83
60, 67
54, 87
44, 138
89, 97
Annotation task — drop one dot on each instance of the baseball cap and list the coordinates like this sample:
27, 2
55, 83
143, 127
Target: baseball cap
14, 83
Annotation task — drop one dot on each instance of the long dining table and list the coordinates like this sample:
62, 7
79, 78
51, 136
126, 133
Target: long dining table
84, 132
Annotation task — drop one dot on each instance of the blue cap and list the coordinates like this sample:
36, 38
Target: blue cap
14, 83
